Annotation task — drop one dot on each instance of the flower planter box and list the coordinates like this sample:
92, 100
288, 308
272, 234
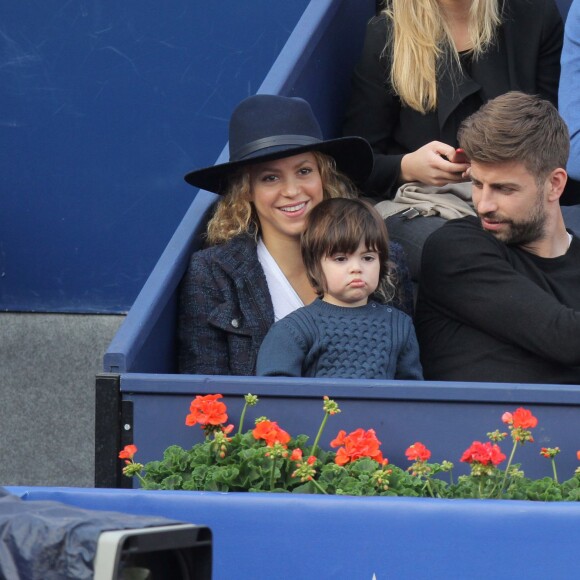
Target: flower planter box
446, 417
298, 536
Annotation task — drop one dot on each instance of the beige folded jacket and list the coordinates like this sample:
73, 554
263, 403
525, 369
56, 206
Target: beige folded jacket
448, 201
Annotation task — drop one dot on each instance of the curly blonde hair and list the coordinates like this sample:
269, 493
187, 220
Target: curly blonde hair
421, 37
235, 214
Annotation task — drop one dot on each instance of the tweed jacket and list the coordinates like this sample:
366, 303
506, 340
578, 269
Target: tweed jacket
225, 308
525, 57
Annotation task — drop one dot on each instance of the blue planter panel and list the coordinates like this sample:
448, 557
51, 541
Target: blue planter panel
446, 417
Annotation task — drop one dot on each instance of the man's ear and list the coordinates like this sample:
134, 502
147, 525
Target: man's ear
557, 179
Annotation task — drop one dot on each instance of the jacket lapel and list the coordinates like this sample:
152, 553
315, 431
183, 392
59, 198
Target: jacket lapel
492, 70
254, 296
453, 87
259, 302
489, 76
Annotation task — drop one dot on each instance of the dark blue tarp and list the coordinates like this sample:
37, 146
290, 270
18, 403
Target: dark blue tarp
48, 540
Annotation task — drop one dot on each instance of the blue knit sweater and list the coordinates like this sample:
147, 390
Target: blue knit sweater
323, 340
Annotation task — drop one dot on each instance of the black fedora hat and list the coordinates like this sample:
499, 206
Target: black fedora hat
264, 127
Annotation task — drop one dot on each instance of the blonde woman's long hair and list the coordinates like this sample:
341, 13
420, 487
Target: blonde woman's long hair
421, 37
235, 214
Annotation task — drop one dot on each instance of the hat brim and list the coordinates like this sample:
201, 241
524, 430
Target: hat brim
353, 157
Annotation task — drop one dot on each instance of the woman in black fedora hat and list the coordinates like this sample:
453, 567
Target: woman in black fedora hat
252, 274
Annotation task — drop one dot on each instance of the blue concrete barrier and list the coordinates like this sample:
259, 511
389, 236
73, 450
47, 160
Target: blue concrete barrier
297, 536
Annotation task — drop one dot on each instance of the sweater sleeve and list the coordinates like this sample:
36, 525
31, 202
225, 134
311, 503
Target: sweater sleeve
466, 276
408, 362
569, 95
282, 352
373, 109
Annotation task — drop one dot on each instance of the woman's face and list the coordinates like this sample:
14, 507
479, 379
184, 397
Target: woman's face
283, 191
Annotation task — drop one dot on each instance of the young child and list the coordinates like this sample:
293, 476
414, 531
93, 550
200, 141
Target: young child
343, 334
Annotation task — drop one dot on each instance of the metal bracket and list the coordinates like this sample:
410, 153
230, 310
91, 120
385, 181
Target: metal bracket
410, 213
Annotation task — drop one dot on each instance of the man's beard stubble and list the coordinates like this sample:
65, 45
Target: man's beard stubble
525, 231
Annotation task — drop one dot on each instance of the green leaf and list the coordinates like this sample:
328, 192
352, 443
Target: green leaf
172, 482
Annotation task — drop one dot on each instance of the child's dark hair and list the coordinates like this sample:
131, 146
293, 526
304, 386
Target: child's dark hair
338, 226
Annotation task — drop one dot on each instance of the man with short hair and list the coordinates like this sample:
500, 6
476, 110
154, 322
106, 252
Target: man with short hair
499, 297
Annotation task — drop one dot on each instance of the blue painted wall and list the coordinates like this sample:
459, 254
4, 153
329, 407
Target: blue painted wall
103, 107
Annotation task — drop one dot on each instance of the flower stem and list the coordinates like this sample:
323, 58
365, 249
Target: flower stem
554, 468
318, 486
242, 416
492, 492
272, 472
507, 468
318, 435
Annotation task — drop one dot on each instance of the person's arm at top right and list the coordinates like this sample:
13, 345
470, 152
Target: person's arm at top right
466, 277
569, 93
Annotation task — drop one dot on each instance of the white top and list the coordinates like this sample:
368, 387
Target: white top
284, 297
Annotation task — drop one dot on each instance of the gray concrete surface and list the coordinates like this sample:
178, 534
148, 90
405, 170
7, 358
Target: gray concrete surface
48, 364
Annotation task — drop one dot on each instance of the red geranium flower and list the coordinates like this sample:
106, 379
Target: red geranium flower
339, 439
484, 453
507, 418
418, 452
578, 455
523, 419
128, 452
206, 410
359, 443
296, 455
271, 433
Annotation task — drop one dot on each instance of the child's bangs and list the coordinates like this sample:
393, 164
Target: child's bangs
345, 235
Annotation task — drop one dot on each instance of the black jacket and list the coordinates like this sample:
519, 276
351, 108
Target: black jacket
525, 57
